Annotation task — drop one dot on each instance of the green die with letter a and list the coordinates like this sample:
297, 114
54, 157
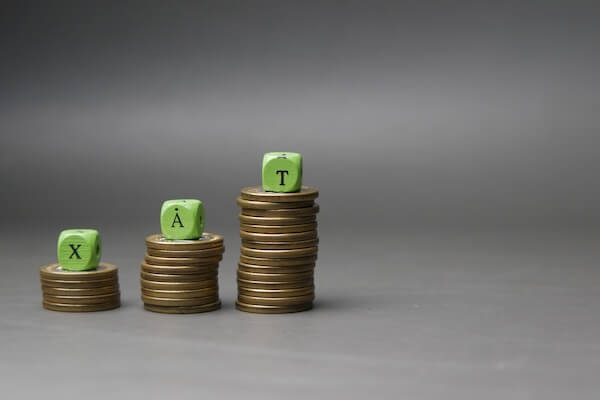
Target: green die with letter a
282, 172
182, 219
79, 249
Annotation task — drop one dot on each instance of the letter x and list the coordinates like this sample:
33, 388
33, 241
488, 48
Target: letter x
75, 253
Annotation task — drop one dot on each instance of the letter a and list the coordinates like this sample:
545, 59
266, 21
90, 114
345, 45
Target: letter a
177, 220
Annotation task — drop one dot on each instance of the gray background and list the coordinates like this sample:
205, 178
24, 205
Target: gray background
455, 146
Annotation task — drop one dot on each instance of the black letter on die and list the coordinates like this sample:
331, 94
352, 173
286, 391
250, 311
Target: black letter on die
74, 253
177, 219
282, 172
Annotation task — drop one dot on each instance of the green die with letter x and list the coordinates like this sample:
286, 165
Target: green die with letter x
79, 249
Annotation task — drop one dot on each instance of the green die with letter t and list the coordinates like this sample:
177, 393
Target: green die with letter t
282, 172
79, 249
182, 219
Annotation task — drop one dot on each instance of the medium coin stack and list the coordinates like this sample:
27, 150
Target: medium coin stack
278, 251
80, 291
180, 276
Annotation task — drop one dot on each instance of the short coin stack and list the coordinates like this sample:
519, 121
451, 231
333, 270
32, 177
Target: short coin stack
180, 276
278, 251
80, 291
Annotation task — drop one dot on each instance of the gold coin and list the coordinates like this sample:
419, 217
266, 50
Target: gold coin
278, 229
55, 271
149, 276
262, 309
185, 309
208, 240
276, 301
266, 205
292, 277
180, 294
179, 269
276, 221
277, 262
277, 292
284, 212
215, 251
262, 269
280, 245
257, 193
61, 291
196, 301
278, 237
99, 299
80, 307
78, 284
242, 283
188, 261
157, 285
278, 254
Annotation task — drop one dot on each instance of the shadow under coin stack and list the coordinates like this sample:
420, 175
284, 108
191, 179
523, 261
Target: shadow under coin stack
180, 276
278, 251
80, 291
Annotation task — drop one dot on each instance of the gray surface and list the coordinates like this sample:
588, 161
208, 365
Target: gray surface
453, 315
468, 113
455, 145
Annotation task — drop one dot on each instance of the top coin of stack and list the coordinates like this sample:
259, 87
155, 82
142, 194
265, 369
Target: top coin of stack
279, 246
79, 282
180, 267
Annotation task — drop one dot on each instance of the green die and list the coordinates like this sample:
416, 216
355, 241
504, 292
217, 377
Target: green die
282, 172
79, 249
182, 219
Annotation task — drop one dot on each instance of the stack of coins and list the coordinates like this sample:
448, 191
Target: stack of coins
80, 291
180, 276
278, 251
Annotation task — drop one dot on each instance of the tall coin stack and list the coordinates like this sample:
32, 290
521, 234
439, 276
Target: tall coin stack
278, 251
80, 291
180, 276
